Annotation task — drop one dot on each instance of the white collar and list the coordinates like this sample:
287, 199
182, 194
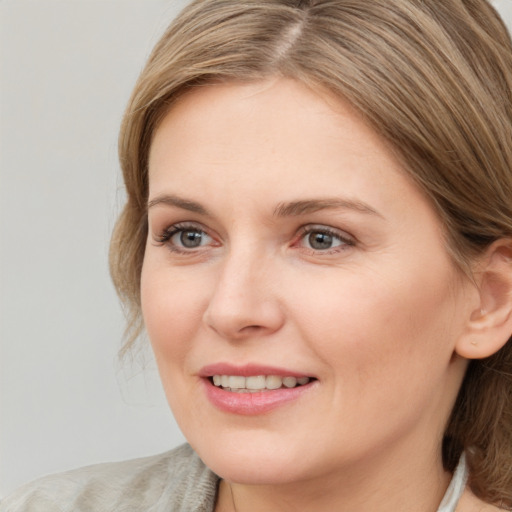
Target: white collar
456, 487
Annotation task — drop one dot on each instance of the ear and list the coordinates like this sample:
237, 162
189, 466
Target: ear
490, 324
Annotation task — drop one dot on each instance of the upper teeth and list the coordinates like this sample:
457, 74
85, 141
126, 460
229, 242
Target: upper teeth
257, 382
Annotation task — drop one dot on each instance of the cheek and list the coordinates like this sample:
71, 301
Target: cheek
172, 309
381, 326
386, 345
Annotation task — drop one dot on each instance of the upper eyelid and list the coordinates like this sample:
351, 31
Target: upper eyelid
308, 228
187, 225
180, 227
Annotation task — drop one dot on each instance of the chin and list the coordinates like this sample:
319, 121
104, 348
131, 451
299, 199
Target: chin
253, 470
259, 462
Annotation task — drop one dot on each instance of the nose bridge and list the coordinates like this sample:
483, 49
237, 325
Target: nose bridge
243, 302
240, 269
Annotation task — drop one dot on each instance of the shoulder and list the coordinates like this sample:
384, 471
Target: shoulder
175, 480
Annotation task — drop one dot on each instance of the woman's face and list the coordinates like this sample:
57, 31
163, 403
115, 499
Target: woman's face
287, 248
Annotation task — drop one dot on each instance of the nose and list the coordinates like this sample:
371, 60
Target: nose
244, 303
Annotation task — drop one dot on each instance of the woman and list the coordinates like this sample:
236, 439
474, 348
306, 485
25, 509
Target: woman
318, 241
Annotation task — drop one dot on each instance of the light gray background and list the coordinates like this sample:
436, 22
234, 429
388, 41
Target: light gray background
66, 70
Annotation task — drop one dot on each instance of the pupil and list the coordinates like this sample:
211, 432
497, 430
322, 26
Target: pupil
191, 238
320, 240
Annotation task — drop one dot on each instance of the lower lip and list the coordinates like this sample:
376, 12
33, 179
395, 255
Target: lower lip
251, 404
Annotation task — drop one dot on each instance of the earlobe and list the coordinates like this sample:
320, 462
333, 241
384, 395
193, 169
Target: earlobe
490, 324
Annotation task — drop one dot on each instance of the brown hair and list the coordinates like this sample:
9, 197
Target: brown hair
432, 77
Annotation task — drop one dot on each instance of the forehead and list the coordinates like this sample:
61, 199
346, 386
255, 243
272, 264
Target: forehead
274, 140
277, 106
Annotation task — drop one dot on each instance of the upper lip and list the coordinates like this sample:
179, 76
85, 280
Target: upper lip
247, 370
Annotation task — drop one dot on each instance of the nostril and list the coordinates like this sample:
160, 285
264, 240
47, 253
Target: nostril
252, 328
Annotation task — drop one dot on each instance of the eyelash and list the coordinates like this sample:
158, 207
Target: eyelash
346, 241
165, 237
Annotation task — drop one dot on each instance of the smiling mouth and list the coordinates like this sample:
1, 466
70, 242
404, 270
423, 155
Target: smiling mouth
257, 383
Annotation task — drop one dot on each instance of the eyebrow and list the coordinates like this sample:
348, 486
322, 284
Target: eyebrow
184, 204
290, 209
296, 208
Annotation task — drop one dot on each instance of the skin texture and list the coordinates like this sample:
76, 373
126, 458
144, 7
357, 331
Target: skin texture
375, 319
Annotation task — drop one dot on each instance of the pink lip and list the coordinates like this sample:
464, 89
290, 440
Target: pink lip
251, 404
247, 370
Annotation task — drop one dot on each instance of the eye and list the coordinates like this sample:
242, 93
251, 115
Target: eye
189, 238
180, 237
324, 239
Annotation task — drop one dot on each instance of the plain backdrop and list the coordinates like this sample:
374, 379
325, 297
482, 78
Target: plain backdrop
66, 70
